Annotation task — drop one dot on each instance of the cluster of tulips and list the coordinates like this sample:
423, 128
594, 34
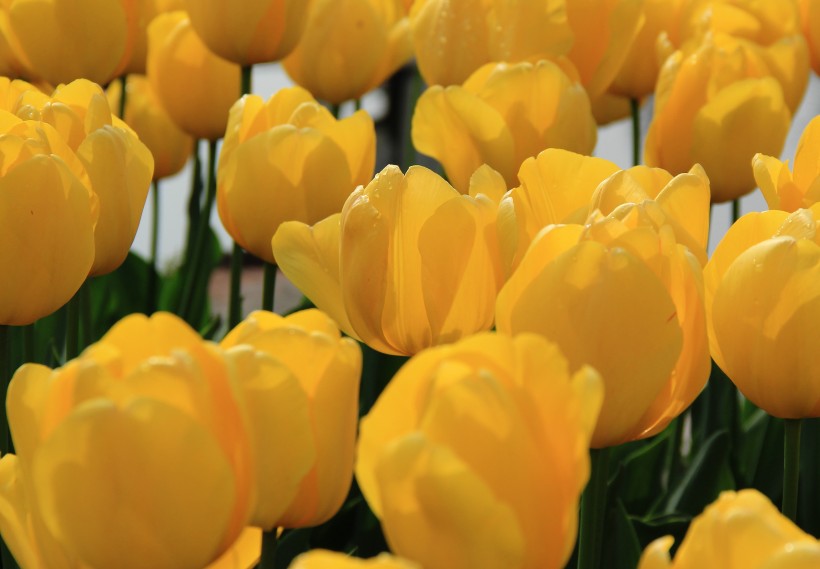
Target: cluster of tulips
522, 356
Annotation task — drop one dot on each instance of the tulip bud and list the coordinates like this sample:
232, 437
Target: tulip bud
783, 190
761, 286
350, 47
261, 31
288, 159
170, 146
740, 530
143, 439
64, 40
446, 500
624, 296
388, 269
717, 105
196, 87
304, 441
810, 23
454, 38
47, 219
490, 119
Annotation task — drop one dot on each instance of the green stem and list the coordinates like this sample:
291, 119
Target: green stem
357, 104
735, 210
86, 318
409, 155
196, 269
195, 201
635, 105
268, 286
269, 543
123, 94
72, 336
235, 304
593, 511
791, 467
335, 110
151, 288
29, 343
247, 80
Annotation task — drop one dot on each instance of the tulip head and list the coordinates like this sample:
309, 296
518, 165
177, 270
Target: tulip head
624, 296
740, 530
47, 218
288, 160
257, 31
143, 438
196, 87
445, 499
388, 268
762, 285
350, 47
322, 559
810, 23
118, 165
604, 32
489, 120
303, 424
784, 190
717, 105
64, 40
453, 38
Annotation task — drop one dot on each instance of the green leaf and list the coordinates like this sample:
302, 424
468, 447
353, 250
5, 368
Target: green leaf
707, 475
621, 547
292, 544
638, 480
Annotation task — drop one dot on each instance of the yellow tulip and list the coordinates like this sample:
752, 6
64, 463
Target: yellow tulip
321, 559
490, 119
10, 64
810, 23
740, 530
717, 106
609, 108
118, 165
47, 218
63, 40
146, 11
257, 31
389, 270
350, 47
639, 71
623, 296
562, 187
761, 288
143, 438
604, 32
783, 190
454, 38
304, 441
196, 87
170, 146
288, 159
429, 459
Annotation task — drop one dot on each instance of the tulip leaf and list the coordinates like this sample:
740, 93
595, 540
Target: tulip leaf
768, 475
708, 474
621, 548
638, 480
809, 492
292, 544
651, 528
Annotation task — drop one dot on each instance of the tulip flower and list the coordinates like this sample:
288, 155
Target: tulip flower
784, 190
170, 146
388, 269
143, 439
119, 167
717, 106
761, 285
47, 219
350, 47
288, 159
604, 32
303, 434
322, 559
63, 40
196, 87
261, 31
490, 119
810, 24
622, 295
740, 530
510, 500
10, 64
454, 38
